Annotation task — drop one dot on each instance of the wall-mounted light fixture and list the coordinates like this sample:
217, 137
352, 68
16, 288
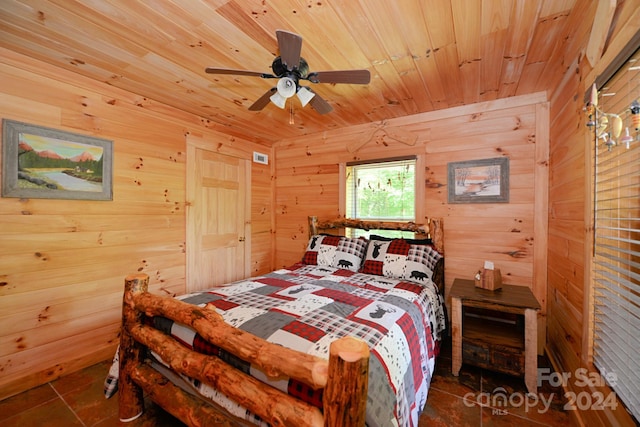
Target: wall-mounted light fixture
635, 114
608, 126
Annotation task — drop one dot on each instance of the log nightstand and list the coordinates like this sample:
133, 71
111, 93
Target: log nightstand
505, 344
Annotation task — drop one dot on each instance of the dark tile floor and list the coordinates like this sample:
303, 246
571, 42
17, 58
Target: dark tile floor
475, 398
478, 397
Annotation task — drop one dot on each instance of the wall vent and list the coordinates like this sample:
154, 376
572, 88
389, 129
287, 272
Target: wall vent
260, 158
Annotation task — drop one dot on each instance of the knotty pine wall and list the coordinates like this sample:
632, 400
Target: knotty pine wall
569, 302
63, 262
512, 235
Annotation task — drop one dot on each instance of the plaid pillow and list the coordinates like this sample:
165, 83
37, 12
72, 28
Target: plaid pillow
399, 259
421, 261
335, 251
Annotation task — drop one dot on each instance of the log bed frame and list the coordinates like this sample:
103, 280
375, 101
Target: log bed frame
432, 229
344, 376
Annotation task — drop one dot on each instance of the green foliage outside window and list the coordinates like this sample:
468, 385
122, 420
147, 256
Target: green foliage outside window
382, 191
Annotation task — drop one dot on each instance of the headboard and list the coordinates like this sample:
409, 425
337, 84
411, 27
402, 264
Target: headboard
432, 229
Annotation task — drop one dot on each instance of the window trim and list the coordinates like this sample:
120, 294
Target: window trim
384, 160
615, 64
618, 52
419, 208
608, 69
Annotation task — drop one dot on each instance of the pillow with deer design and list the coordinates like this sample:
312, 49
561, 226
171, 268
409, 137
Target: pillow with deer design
399, 259
335, 251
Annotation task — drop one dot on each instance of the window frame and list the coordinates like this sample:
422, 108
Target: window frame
419, 176
618, 53
589, 308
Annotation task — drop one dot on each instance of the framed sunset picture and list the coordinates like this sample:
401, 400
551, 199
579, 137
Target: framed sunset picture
39, 162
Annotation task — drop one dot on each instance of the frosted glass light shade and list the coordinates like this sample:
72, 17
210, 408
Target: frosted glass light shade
305, 95
278, 100
286, 89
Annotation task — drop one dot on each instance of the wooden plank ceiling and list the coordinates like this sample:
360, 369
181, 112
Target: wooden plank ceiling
423, 55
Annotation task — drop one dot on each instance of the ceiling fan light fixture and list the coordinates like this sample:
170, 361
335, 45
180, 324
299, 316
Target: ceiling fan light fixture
286, 88
305, 95
278, 100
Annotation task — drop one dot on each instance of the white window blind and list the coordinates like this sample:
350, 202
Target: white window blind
616, 275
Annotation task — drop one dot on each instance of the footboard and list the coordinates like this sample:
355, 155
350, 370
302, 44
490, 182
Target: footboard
344, 377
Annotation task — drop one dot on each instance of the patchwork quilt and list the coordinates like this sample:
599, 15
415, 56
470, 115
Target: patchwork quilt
306, 307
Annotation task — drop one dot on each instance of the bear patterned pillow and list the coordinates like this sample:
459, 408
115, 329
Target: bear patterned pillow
421, 261
350, 252
399, 259
335, 251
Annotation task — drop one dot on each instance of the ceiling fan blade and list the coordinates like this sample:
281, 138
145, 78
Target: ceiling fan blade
290, 45
320, 105
213, 70
361, 77
263, 101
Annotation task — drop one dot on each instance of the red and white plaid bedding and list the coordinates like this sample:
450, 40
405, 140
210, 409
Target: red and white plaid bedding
306, 307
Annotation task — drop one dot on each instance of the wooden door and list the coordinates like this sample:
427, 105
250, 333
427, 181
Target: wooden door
218, 232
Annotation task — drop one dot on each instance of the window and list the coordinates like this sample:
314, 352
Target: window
616, 262
384, 191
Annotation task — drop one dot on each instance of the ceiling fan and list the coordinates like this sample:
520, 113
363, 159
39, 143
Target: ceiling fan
290, 68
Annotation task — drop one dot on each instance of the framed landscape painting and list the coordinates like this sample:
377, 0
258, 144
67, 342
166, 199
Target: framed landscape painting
45, 163
479, 181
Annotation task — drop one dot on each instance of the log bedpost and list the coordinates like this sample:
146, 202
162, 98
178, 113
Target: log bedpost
313, 226
436, 233
131, 401
345, 396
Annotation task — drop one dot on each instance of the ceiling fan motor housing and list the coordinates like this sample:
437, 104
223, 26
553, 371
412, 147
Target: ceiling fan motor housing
280, 70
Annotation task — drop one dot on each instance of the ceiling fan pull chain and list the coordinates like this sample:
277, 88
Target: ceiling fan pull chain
291, 120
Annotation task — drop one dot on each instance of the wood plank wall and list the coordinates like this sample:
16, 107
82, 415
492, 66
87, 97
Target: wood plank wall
570, 205
567, 204
62, 262
513, 234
